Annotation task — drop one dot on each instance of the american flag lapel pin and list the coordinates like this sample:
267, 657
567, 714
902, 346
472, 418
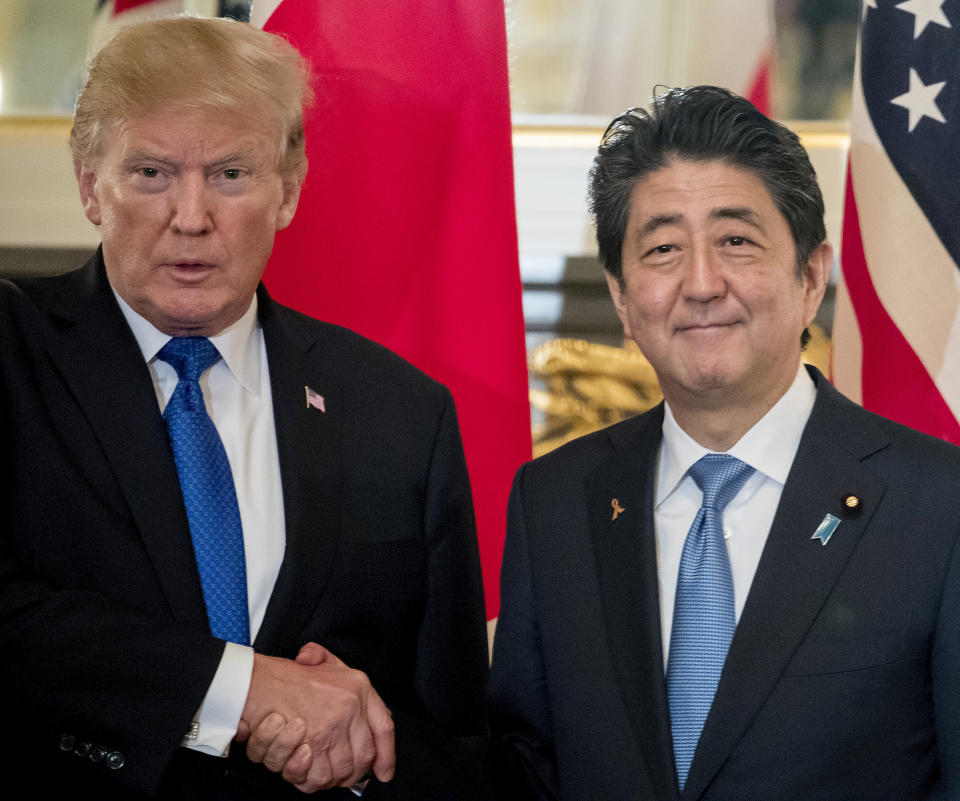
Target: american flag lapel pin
314, 399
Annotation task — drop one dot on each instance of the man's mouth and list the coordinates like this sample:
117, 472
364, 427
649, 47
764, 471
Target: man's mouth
191, 269
707, 326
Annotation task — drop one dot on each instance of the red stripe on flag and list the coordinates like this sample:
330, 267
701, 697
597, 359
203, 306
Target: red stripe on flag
406, 230
895, 382
125, 5
758, 90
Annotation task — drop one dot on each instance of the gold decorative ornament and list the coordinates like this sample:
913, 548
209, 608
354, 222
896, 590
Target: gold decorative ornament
582, 386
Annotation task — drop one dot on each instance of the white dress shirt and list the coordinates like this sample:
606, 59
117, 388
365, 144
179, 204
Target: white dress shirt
769, 447
237, 394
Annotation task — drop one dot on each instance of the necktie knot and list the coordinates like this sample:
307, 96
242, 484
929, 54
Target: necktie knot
189, 356
719, 477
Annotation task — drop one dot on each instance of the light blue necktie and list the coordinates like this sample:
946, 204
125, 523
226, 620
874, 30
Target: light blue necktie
208, 492
703, 613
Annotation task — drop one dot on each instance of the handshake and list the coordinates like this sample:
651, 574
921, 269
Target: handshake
316, 721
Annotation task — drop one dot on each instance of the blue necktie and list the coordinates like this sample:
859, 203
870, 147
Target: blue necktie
208, 492
703, 613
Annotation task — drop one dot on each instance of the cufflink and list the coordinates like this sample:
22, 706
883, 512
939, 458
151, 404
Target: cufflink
193, 732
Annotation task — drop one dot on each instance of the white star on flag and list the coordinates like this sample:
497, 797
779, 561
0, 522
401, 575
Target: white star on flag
920, 101
868, 4
925, 12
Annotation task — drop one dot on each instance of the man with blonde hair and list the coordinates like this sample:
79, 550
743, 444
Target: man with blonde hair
220, 520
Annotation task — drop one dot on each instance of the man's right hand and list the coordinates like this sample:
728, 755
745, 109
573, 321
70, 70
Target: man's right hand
316, 721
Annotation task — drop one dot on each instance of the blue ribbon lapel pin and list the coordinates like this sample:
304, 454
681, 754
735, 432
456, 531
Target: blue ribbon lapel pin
826, 528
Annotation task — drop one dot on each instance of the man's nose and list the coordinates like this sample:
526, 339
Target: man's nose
191, 210
704, 279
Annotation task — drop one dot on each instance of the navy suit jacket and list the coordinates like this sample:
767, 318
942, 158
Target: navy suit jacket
843, 678
104, 644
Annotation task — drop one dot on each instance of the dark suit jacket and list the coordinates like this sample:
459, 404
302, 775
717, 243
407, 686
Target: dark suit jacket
104, 646
843, 678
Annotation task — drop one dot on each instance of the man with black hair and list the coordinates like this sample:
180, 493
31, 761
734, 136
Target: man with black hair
753, 590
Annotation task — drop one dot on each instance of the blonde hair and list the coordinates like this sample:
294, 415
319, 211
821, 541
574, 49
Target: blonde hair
193, 63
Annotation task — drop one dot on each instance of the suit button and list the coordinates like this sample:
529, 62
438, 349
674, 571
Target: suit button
114, 760
67, 742
97, 753
82, 749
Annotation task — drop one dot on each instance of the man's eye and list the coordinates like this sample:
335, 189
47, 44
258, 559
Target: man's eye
149, 172
737, 240
231, 174
663, 248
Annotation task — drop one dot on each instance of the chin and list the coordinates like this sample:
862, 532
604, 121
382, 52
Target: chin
194, 322
714, 384
711, 374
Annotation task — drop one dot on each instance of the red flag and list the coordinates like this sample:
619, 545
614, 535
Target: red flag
113, 14
143, 10
732, 46
406, 229
119, 6
897, 320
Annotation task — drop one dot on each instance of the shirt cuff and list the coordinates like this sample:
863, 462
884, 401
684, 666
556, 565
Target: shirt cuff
217, 720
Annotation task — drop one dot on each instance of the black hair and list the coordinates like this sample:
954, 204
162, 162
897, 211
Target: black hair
698, 124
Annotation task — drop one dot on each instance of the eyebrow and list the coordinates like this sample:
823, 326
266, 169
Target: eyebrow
742, 213
244, 154
145, 155
659, 221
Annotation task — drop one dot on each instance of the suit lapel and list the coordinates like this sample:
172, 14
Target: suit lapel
98, 357
795, 574
310, 450
624, 549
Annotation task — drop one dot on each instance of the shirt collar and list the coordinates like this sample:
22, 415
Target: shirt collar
238, 344
769, 447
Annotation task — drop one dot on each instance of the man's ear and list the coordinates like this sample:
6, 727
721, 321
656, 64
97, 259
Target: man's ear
87, 182
819, 268
619, 302
291, 197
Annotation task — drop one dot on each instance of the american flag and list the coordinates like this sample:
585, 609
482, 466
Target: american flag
314, 399
897, 323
